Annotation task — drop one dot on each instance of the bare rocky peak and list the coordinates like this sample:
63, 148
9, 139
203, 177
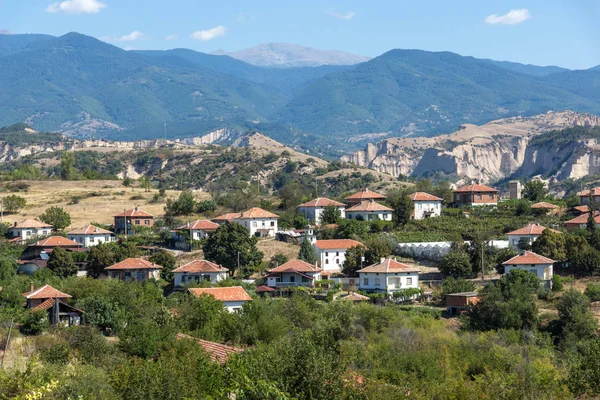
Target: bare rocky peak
292, 55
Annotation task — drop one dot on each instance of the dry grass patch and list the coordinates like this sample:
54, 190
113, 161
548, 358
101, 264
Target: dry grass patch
270, 247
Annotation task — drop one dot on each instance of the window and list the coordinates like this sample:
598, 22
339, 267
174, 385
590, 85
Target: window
326, 261
326, 254
419, 206
491, 197
366, 281
254, 224
337, 261
377, 282
272, 223
139, 276
292, 279
146, 222
263, 224
305, 279
92, 239
137, 221
337, 253
28, 233
408, 281
479, 197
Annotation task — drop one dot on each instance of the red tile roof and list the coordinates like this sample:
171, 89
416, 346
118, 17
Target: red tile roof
227, 217
474, 187
30, 223
544, 206
355, 297
134, 263
322, 202
297, 266
582, 219
232, 293
583, 209
201, 266
257, 212
134, 212
528, 258
55, 241
90, 230
389, 265
263, 288
365, 194
45, 305
46, 292
216, 351
368, 206
334, 244
422, 196
586, 193
531, 229
200, 225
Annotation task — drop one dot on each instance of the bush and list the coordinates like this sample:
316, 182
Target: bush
592, 291
35, 322
557, 283
545, 294
137, 197
56, 354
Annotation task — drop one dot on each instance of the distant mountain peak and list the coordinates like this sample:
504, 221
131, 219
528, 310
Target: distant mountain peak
292, 55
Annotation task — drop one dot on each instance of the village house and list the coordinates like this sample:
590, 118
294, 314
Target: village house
426, 205
225, 218
134, 269
313, 210
475, 194
293, 273
126, 221
198, 229
260, 222
459, 302
541, 266
355, 297
198, 271
369, 210
544, 207
29, 229
331, 253
363, 195
91, 235
36, 255
388, 276
217, 352
524, 237
233, 297
53, 301
584, 196
580, 222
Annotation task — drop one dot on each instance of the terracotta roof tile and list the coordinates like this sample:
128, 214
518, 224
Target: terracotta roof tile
531, 229
322, 202
134, 212
296, 265
422, 196
582, 219
365, 194
474, 187
388, 265
45, 305
263, 288
544, 206
368, 206
334, 244
586, 193
583, 209
200, 225
30, 223
355, 297
46, 292
134, 263
232, 293
528, 258
90, 230
227, 217
257, 212
201, 266
216, 351
55, 241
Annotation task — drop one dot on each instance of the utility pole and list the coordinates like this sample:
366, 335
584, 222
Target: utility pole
7, 341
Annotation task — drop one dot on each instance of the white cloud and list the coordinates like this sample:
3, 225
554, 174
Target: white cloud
76, 6
6, 32
130, 37
512, 17
209, 34
341, 15
174, 36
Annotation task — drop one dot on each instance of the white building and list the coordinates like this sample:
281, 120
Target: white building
526, 235
293, 273
91, 235
331, 254
233, 297
198, 271
29, 228
313, 210
134, 269
426, 205
532, 262
388, 276
260, 222
198, 229
369, 211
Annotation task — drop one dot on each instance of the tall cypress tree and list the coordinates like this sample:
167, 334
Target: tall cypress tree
307, 251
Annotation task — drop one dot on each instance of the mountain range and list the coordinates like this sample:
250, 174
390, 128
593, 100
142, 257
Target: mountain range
80, 85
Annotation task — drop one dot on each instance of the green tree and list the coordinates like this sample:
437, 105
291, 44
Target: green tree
403, 206
457, 264
61, 263
456, 285
331, 215
127, 181
57, 217
185, 204
145, 183
535, 190
444, 191
231, 243
378, 247
575, 318
307, 251
99, 257
167, 261
278, 259
551, 244
354, 260
13, 203
352, 229
67, 161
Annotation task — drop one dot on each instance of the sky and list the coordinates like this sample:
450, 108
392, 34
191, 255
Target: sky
542, 32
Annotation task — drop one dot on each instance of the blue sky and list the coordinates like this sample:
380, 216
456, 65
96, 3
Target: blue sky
548, 32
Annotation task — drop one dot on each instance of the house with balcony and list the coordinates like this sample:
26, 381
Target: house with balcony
126, 221
425, 205
91, 235
37, 254
539, 265
369, 210
363, 195
524, 237
134, 269
293, 273
388, 276
196, 230
313, 210
331, 254
53, 302
29, 229
233, 297
475, 194
260, 223
199, 271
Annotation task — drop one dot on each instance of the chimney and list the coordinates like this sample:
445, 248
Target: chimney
31, 287
135, 208
382, 260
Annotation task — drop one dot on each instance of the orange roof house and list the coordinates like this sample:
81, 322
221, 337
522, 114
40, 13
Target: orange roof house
134, 269
541, 266
200, 266
369, 211
333, 244
425, 205
543, 205
53, 300
580, 222
313, 210
322, 202
200, 224
331, 254
30, 223
476, 194
229, 217
42, 248
89, 230
233, 297
526, 236
257, 212
199, 270
529, 258
422, 196
217, 352
363, 195
388, 275
127, 220
584, 196
388, 265
293, 273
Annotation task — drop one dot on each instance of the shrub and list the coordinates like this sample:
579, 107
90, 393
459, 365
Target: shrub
557, 283
592, 291
56, 354
137, 197
35, 322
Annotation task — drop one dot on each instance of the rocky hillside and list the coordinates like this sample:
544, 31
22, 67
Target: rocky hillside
491, 152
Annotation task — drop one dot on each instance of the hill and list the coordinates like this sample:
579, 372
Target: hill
292, 55
528, 69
